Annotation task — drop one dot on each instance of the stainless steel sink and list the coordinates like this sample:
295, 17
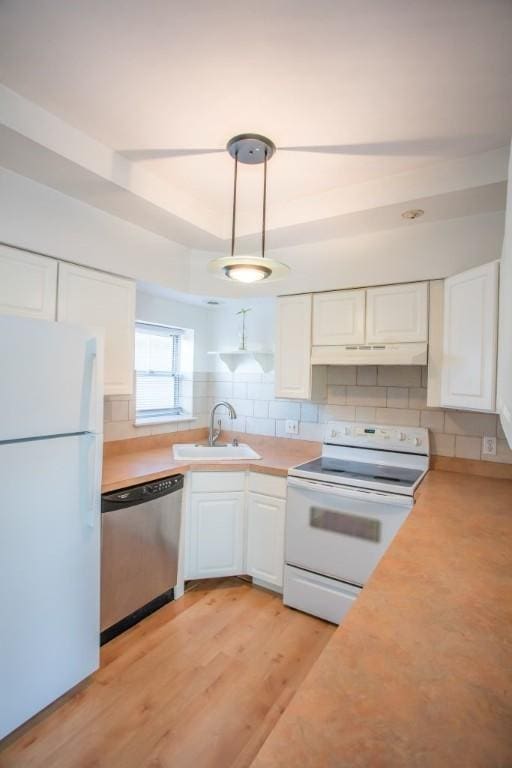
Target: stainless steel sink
222, 452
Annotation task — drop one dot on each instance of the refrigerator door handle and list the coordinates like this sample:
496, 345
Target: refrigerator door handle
91, 351
89, 498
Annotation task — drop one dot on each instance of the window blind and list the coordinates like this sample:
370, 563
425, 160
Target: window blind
157, 370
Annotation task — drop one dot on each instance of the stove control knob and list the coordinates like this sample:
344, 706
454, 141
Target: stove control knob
348, 431
333, 433
417, 441
402, 436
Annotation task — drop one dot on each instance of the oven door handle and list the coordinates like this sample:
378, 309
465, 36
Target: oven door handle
350, 493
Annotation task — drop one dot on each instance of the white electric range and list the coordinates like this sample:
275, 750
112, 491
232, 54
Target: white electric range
344, 508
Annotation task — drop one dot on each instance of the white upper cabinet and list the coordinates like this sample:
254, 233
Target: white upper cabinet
339, 318
28, 284
293, 347
97, 299
397, 313
468, 377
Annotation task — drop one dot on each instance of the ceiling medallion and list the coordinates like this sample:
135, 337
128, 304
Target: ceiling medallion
251, 149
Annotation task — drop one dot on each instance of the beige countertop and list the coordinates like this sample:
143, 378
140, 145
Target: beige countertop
420, 672
129, 462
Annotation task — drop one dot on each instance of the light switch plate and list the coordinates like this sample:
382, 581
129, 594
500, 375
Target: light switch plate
488, 446
292, 427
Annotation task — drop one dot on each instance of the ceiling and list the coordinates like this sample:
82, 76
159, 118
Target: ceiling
167, 74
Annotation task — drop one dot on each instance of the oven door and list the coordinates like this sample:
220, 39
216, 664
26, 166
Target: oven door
338, 531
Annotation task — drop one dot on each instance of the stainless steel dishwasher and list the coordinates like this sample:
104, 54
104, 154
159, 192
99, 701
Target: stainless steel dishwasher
140, 533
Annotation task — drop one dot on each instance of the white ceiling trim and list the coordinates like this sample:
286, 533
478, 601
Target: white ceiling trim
41, 146
53, 135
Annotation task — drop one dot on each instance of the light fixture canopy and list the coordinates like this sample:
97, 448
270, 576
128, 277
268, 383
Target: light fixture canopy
252, 149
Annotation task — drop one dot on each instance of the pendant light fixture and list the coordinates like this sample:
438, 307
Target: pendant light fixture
252, 149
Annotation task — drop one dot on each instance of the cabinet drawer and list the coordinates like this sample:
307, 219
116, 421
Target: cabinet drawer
217, 481
268, 485
318, 595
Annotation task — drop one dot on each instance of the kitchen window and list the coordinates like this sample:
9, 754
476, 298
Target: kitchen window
159, 379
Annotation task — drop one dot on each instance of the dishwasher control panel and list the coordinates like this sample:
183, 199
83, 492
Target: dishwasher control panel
136, 494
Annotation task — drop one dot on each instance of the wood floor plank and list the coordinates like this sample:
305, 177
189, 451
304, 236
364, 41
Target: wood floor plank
200, 683
169, 645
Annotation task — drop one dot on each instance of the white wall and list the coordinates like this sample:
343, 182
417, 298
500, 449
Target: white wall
260, 331
155, 309
120, 409
415, 251
36, 217
505, 324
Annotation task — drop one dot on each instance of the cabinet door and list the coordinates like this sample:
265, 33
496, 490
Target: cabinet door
293, 347
215, 535
28, 284
97, 299
339, 318
265, 538
468, 378
396, 313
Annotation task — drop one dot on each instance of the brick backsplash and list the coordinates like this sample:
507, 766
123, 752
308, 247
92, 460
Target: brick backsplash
382, 395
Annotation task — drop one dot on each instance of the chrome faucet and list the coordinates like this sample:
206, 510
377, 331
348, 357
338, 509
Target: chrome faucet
213, 435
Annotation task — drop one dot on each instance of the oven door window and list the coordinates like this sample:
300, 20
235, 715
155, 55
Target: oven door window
345, 523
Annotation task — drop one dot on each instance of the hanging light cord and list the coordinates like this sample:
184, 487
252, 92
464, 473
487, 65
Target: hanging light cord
264, 207
234, 208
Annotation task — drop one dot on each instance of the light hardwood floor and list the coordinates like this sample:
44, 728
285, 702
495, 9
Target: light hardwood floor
200, 683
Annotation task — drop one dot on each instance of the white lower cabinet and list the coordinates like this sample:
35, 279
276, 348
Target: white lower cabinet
235, 525
265, 538
215, 535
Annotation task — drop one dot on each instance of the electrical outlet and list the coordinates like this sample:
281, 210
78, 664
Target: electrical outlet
488, 446
292, 427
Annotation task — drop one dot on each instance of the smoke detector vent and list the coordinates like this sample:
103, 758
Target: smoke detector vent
413, 213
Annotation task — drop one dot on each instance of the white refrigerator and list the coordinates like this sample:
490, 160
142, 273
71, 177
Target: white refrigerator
51, 417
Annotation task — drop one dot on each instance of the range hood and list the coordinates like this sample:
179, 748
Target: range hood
371, 354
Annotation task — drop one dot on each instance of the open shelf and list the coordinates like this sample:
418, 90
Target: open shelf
233, 357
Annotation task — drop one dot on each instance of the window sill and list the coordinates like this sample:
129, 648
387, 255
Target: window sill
163, 420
